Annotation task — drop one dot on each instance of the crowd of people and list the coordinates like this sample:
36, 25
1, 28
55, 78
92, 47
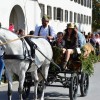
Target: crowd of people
68, 40
94, 39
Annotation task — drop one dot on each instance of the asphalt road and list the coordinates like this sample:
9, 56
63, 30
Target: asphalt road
60, 93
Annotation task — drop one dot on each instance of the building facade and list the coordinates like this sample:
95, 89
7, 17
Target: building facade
24, 14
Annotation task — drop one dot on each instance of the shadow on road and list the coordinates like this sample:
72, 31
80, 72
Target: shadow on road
48, 96
56, 96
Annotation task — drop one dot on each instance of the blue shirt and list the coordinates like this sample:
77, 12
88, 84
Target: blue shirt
44, 31
81, 39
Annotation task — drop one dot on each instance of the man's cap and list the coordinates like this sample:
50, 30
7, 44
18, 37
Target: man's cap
70, 25
45, 17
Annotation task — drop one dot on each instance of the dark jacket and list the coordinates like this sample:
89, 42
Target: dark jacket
73, 41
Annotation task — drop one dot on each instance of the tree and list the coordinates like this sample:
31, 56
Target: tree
96, 15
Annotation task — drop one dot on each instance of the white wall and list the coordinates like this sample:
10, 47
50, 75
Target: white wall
30, 10
32, 14
70, 6
5, 10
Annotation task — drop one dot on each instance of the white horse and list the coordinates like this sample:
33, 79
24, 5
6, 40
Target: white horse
20, 66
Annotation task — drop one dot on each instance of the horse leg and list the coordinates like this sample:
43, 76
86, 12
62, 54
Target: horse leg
36, 81
45, 74
9, 77
21, 82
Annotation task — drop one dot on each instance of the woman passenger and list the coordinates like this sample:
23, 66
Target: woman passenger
71, 42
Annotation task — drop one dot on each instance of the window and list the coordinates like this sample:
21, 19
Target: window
42, 9
49, 11
84, 19
81, 2
88, 1
87, 19
71, 16
55, 13
90, 20
81, 18
66, 16
75, 17
60, 14
75, 0
90, 4
85, 3
78, 20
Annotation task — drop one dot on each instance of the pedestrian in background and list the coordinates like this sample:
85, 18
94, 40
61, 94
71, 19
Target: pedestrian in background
11, 27
1, 62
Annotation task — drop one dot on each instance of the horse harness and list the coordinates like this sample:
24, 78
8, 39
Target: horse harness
26, 54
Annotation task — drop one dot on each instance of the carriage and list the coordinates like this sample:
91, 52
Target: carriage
71, 78
18, 63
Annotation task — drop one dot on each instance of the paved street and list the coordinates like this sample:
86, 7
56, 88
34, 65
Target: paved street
56, 93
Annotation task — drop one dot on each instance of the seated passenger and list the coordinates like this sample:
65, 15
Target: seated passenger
71, 42
60, 42
81, 37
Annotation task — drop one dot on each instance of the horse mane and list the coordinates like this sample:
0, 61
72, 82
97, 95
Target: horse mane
11, 47
8, 34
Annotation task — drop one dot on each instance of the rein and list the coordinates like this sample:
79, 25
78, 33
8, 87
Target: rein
48, 59
20, 57
10, 41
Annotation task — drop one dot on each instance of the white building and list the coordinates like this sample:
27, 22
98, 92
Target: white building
23, 14
26, 14
65, 11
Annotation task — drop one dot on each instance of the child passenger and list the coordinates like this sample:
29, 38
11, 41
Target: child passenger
60, 42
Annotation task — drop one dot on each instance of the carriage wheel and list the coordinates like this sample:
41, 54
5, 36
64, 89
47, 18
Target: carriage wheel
73, 87
84, 84
26, 92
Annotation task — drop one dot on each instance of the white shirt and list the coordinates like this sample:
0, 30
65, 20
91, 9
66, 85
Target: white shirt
44, 31
1, 51
97, 40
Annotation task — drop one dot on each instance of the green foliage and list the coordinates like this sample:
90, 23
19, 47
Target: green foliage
57, 57
87, 63
96, 15
57, 54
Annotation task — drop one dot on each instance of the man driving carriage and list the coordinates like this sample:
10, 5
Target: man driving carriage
45, 29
